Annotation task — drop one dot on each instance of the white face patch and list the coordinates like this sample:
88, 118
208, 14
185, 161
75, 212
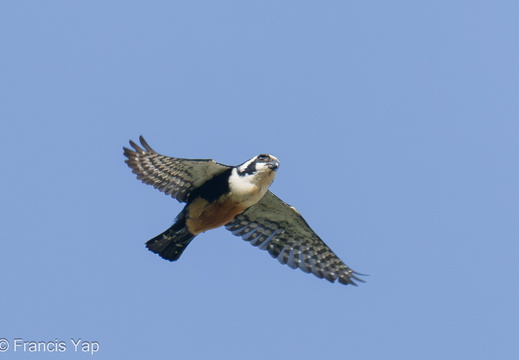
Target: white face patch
248, 167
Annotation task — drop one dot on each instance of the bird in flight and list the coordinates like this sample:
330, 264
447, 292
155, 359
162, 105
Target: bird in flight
238, 198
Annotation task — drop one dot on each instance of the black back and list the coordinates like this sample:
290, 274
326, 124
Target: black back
213, 188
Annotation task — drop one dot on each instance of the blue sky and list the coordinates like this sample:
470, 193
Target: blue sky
397, 128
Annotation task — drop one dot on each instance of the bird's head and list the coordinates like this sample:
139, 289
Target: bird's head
253, 178
262, 163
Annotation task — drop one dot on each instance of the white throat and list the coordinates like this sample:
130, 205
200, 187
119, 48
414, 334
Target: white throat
248, 189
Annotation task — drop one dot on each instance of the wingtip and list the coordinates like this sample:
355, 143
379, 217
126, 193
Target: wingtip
351, 279
145, 144
135, 146
138, 148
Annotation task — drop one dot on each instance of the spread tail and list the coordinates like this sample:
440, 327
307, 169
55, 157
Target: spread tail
171, 243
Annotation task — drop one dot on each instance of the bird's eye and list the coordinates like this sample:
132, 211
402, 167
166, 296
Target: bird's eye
263, 157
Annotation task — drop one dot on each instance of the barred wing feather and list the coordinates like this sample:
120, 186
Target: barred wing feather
173, 176
273, 225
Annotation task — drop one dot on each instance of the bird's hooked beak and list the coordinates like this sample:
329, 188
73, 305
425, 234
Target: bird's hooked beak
273, 165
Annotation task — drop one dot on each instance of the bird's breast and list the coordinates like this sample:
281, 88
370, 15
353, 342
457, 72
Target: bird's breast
203, 215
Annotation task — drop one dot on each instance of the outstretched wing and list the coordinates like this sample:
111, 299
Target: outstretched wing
173, 176
273, 225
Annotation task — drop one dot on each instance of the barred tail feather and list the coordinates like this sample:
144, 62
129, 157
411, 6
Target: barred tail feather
171, 243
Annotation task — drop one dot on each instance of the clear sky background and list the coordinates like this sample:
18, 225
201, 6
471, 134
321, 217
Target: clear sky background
397, 128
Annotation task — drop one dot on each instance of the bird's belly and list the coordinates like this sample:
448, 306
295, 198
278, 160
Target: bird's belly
203, 216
